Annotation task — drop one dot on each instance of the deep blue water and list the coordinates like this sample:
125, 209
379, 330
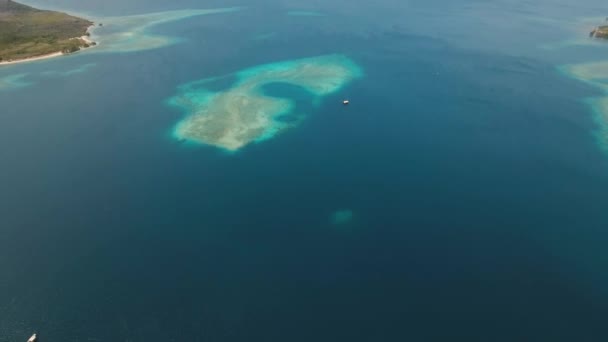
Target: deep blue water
478, 191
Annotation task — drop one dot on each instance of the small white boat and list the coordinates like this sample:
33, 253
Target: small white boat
34, 338
346, 102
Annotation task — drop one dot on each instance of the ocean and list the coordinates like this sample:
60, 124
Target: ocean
461, 196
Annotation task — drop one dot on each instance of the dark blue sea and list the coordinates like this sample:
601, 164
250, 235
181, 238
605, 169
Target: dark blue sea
477, 187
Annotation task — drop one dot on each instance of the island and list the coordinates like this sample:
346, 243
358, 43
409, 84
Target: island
600, 32
27, 33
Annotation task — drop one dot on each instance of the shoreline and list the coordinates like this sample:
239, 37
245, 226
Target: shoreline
87, 39
32, 59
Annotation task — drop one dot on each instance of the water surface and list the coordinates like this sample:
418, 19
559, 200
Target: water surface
468, 160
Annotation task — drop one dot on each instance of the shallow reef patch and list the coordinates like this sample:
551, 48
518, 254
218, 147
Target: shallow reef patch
15, 81
131, 33
244, 113
595, 74
341, 217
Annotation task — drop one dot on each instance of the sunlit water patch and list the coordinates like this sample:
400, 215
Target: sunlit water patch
244, 113
592, 70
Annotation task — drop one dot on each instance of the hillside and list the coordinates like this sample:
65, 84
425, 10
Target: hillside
27, 32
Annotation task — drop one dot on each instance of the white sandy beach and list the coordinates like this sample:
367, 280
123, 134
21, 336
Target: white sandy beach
51, 55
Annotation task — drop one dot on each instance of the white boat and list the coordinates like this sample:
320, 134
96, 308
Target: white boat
346, 102
34, 338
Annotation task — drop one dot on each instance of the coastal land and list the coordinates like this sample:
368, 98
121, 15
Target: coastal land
600, 32
28, 34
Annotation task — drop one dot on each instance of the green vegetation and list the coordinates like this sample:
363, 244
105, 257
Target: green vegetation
600, 32
27, 32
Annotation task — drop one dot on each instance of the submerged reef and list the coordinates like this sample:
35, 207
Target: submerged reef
341, 217
243, 113
66, 73
13, 82
131, 33
23, 80
593, 72
596, 74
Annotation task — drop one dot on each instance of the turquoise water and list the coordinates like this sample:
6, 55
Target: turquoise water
245, 113
460, 196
